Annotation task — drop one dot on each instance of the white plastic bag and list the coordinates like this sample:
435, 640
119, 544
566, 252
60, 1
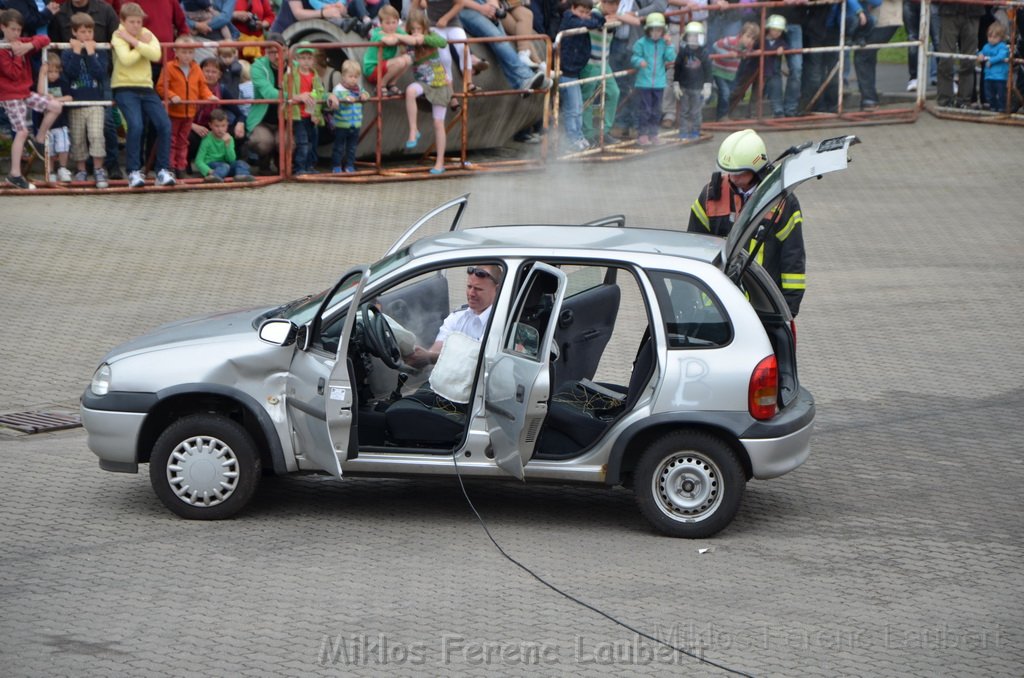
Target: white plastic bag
452, 376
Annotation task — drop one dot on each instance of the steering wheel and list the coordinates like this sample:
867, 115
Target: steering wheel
380, 339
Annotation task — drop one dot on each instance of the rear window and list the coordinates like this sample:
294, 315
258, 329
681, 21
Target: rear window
693, 316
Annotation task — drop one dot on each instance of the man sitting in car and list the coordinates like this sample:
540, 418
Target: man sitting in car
482, 284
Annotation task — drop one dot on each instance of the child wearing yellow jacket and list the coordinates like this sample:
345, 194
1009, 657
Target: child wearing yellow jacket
135, 48
182, 81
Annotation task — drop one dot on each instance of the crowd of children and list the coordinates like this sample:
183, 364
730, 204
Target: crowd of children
158, 92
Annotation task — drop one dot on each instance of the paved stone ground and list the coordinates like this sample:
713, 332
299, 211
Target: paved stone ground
895, 550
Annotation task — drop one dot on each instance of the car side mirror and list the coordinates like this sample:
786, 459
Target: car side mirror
278, 332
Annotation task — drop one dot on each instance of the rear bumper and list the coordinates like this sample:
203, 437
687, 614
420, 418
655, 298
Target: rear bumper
782, 444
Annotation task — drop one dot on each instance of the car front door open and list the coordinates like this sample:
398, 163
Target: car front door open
518, 384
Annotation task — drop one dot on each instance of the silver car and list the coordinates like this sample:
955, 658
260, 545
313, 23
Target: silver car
656, 359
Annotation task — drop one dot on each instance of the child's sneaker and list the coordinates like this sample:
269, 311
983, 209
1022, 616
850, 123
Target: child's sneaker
643, 140
351, 169
101, 178
84, 176
335, 170
213, 179
19, 182
656, 140
244, 178
64, 175
165, 178
136, 180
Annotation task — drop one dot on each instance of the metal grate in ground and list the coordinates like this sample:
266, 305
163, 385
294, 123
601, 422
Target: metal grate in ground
39, 422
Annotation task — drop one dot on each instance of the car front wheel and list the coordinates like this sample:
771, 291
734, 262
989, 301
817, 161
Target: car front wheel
689, 484
204, 467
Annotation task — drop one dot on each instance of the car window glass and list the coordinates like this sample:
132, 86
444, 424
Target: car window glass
581, 278
533, 316
692, 315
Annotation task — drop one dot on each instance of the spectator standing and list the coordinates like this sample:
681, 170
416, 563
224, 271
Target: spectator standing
600, 53
795, 13
181, 82
651, 55
730, 51
576, 53
105, 22
135, 49
347, 99
52, 83
995, 56
263, 120
958, 33
85, 68
307, 90
865, 61
629, 110
16, 91
216, 158
912, 24
743, 161
692, 80
816, 33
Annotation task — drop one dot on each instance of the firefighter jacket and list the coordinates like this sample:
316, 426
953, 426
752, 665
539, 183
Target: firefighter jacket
782, 253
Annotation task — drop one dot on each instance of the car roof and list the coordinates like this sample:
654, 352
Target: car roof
550, 237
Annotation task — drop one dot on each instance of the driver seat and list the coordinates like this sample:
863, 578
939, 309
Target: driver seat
425, 419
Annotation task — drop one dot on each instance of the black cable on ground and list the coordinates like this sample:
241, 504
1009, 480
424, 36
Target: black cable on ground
576, 600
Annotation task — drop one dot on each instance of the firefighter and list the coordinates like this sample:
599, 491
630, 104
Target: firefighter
743, 161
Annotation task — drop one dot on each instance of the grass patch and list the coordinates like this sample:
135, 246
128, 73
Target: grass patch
894, 55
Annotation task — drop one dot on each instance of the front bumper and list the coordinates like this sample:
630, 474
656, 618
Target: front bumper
778, 446
113, 434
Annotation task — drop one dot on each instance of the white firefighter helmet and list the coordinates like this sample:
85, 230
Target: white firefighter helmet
742, 151
654, 20
776, 21
694, 34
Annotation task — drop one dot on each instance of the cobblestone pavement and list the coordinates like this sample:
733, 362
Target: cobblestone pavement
895, 550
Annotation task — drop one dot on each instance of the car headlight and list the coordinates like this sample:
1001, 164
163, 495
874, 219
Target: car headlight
101, 380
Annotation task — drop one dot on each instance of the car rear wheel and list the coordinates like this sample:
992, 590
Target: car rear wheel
204, 467
689, 484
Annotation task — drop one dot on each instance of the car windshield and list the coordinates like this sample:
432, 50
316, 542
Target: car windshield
302, 310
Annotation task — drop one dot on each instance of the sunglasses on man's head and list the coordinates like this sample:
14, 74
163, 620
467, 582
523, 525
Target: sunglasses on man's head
481, 273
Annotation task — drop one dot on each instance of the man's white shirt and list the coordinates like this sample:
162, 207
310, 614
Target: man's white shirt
465, 321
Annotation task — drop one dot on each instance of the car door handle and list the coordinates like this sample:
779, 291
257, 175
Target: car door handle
520, 393
320, 386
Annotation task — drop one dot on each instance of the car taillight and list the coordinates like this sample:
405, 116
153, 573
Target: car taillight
764, 389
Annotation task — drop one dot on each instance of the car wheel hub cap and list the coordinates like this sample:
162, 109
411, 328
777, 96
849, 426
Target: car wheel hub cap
203, 471
688, 487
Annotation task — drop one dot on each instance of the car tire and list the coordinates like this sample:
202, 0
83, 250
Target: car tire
689, 484
204, 467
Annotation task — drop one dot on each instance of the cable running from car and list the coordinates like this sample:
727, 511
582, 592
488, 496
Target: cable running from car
614, 620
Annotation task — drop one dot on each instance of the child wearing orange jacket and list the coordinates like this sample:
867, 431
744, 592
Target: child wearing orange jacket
182, 80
